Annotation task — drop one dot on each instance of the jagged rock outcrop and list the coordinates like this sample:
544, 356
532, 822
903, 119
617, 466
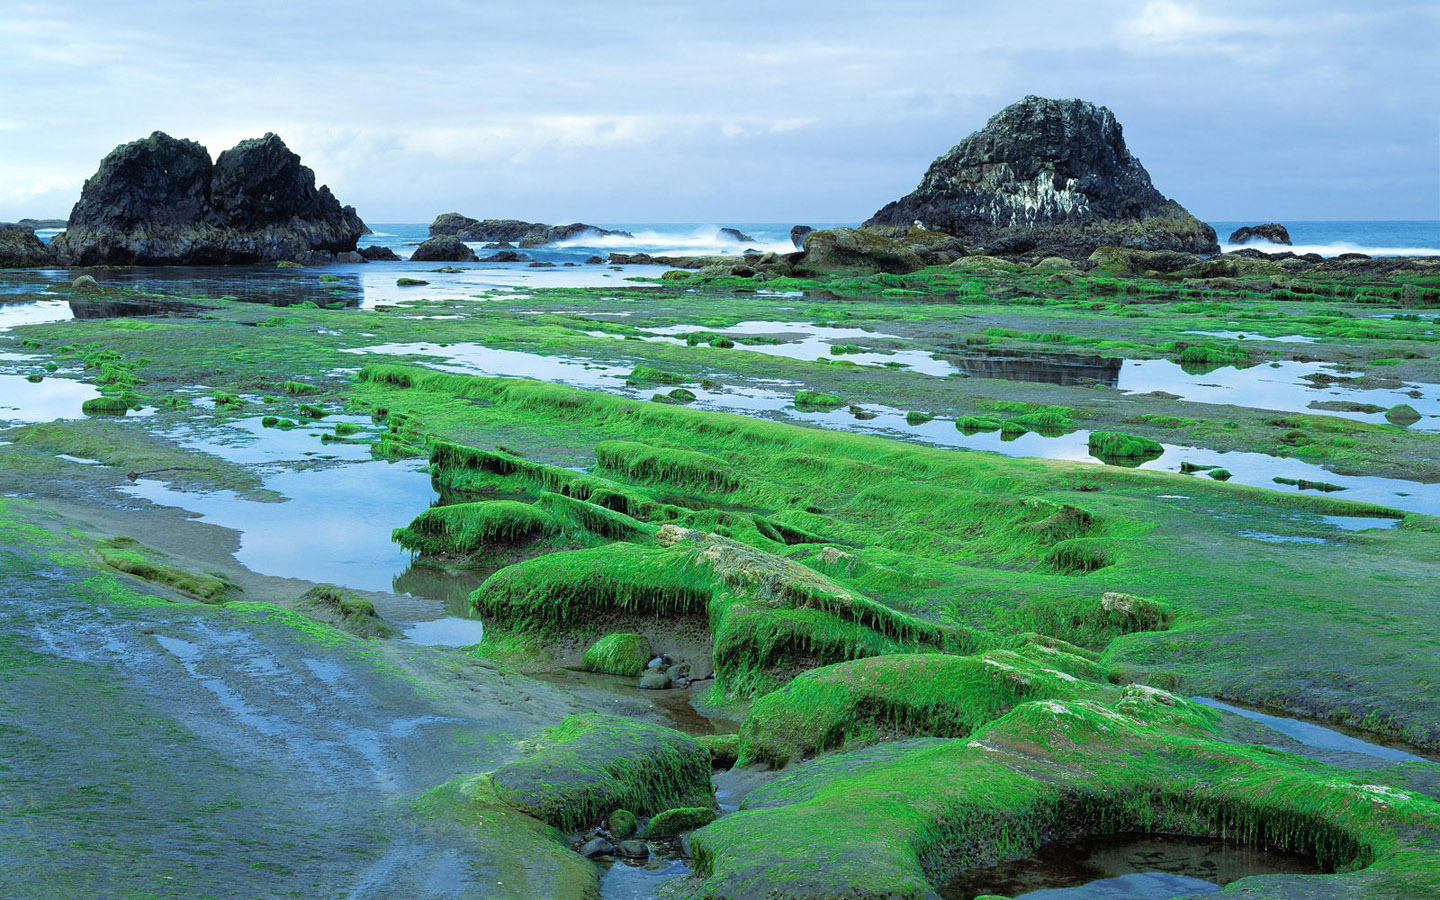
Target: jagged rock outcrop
161, 201
733, 234
797, 235
1272, 232
21, 249
443, 248
514, 231
1047, 178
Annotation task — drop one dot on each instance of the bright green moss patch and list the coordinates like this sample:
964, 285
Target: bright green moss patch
591, 765
643, 462
818, 400
467, 529
623, 653
133, 558
651, 375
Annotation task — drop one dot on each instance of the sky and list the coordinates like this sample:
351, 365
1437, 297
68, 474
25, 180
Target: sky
726, 112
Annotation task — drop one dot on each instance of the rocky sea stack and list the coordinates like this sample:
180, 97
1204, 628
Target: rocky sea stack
161, 201
1272, 232
1049, 178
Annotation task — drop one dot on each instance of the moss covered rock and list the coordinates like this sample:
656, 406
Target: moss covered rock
1115, 445
674, 822
618, 654
593, 764
469, 528
904, 695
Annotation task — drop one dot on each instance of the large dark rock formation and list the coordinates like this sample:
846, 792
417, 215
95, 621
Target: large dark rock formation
514, 231
1051, 178
1273, 232
21, 249
443, 248
161, 201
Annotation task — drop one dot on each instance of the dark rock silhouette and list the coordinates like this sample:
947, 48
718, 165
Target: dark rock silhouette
161, 201
797, 235
1273, 232
443, 248
734, 234
377, 253
1047, 177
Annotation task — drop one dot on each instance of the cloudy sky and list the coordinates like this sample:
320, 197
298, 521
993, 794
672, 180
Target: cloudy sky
633, 110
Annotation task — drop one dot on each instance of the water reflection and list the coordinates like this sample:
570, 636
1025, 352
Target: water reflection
1126, 867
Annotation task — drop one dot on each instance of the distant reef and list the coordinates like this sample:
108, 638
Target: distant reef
514, 231
1047, 177
161, 201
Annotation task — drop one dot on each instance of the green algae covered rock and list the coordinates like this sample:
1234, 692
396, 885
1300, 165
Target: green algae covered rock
1130, 613
896, 819
468, 528
724, 748
1403, 415
905, 695
593, 764
618, 654
106, 406
675, 822
621, 824
818, 400
1115, 445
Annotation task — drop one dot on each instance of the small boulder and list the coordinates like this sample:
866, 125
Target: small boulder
85, 284
632, 849
797, 235
655, 680
623, 653
597, 847
1403, 415
734, 234
443, 248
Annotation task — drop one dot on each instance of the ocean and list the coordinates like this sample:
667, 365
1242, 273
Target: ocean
1374, 238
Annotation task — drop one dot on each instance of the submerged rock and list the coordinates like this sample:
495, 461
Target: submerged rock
21, 249
1273, 232
161, 201
1051, 178
443, 248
